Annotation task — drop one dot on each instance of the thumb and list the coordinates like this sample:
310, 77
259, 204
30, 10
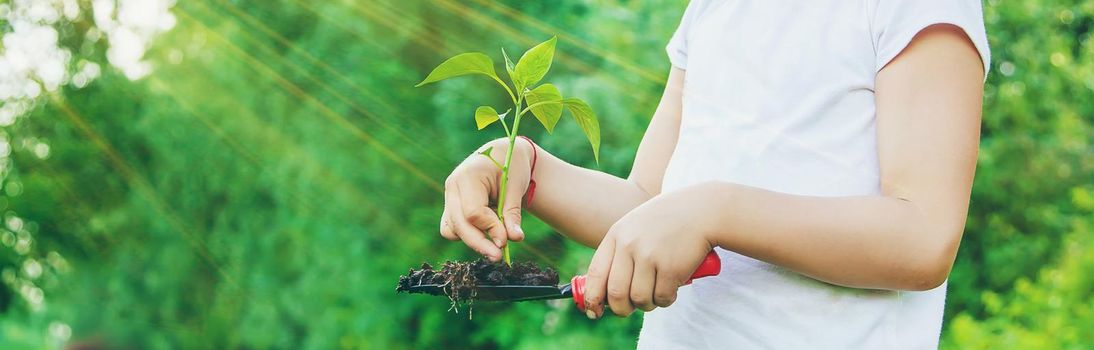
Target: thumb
518, 183
512, 223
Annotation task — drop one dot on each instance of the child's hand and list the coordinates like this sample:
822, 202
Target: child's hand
645, 257
471, 190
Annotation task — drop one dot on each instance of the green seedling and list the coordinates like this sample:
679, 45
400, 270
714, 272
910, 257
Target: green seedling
544, 101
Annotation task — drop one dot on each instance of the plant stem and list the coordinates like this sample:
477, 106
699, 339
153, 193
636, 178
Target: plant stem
505, 126
505, 175
488, 156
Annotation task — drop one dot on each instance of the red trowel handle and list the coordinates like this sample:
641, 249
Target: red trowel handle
710, 266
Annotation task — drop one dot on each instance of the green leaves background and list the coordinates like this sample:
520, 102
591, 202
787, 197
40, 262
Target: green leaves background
287, 139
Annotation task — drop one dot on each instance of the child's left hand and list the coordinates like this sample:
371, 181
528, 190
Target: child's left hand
646, 256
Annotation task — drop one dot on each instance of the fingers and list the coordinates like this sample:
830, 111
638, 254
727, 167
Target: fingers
664, 293
471, 235
619, 284
624, 283
642, 286
596, 279
475, 205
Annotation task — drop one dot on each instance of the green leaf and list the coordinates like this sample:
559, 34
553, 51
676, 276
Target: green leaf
462, 64
534, 64
586, 119
509, 66
486, 115
548, 113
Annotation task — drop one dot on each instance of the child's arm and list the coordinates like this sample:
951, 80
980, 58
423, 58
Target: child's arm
928, 112
581, 203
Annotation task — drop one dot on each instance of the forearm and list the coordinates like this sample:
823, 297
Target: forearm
864, 242
578, 202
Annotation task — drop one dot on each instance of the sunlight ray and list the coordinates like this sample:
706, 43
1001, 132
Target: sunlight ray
77, 213
648, 74
337, 182
142, 186
299, 92
414, 142
564, 58
435, 43
327, 112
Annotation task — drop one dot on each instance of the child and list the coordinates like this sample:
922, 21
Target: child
825, 149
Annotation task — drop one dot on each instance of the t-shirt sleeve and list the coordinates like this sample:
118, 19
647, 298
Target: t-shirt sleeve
678, 44
896, 22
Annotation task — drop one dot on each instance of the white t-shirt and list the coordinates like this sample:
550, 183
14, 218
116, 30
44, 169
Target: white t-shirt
779, 95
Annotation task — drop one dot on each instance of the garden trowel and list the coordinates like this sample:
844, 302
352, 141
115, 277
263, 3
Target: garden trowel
710, 266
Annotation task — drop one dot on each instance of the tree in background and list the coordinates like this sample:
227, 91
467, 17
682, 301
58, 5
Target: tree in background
1022, 277
256, 174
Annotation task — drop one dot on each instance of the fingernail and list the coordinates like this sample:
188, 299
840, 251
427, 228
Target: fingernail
590, 314
498, 242
517, 231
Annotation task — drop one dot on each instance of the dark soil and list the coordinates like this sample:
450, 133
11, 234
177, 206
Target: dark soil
461, 277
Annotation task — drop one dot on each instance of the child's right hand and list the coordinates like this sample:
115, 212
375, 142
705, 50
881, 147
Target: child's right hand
470, 199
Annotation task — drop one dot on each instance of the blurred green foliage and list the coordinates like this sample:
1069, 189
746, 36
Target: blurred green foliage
267, 182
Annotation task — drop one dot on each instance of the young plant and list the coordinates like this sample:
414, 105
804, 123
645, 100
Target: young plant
544, 101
